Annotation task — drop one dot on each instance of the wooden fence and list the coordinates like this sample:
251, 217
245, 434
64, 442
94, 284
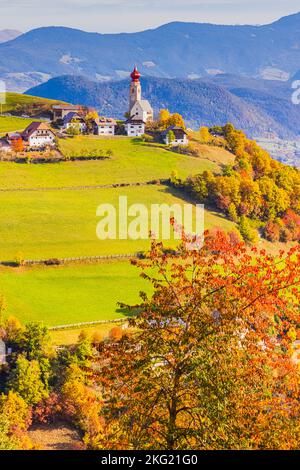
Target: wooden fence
86, 324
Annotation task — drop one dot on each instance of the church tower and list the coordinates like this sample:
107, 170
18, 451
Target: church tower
135, 89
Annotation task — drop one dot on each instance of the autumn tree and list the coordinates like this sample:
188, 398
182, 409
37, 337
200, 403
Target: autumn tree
18, 145
209, 364
205, 135
90, 118
26, 380
116, 334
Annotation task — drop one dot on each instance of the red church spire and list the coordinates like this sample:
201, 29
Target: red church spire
135, 75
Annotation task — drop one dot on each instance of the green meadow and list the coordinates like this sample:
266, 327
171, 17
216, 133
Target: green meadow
71, 294
15, 100
11, 124
132, 161
62, 224
52, 223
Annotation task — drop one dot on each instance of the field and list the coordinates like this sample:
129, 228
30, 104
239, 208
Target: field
11, 124
41, 221
132, 161
16, 100
62, 224
72, 294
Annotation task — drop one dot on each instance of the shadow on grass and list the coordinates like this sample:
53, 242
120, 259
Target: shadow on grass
187, 198
129, 312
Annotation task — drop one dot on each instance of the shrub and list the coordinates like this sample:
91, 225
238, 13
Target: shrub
116, 334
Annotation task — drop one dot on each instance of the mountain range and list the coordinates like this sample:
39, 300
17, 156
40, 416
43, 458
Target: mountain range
260, 107
9, 34
181, 50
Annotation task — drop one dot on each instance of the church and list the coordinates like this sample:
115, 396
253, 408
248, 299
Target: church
140, 111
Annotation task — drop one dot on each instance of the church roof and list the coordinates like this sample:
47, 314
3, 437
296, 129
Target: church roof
145, 105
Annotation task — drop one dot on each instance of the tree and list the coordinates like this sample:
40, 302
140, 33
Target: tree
232, 212
82, 405
116, 334
272, 231
97, 338
164, 116
90, 118
170, 137
13, 330
35, 340
26, 381
6, 441
248, 233
17, 412
205, 135
18, 145
176, 120
209, 364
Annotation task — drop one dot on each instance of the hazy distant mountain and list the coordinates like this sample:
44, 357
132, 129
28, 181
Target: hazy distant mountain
9, 34
184, 50
259, 112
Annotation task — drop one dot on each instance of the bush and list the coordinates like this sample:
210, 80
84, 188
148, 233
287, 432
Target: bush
147, 138
116, 334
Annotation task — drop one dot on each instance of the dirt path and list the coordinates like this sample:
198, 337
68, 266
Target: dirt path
58, 436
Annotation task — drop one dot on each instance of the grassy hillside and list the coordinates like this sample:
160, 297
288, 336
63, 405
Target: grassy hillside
62, 223
11, 124
133, 161
47, 224
73, 294
17, 101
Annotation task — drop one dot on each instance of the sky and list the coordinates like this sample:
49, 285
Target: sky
113, 16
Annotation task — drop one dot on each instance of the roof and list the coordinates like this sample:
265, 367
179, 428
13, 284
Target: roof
72, 115
145, 105
36, 126
174, 128
103, 121
66, 107
13, 135
137, 122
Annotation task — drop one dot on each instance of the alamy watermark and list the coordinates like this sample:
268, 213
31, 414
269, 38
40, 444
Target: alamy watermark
2, 92
296, 94
141, 222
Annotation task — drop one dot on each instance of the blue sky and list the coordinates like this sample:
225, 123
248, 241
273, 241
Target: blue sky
110, 16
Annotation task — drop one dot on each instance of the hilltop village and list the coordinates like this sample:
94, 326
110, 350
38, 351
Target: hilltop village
71, 120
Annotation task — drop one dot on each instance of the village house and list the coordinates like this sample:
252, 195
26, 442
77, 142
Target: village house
104, 126
135, 128
73, 119
38, 135
180, 136
61, 111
